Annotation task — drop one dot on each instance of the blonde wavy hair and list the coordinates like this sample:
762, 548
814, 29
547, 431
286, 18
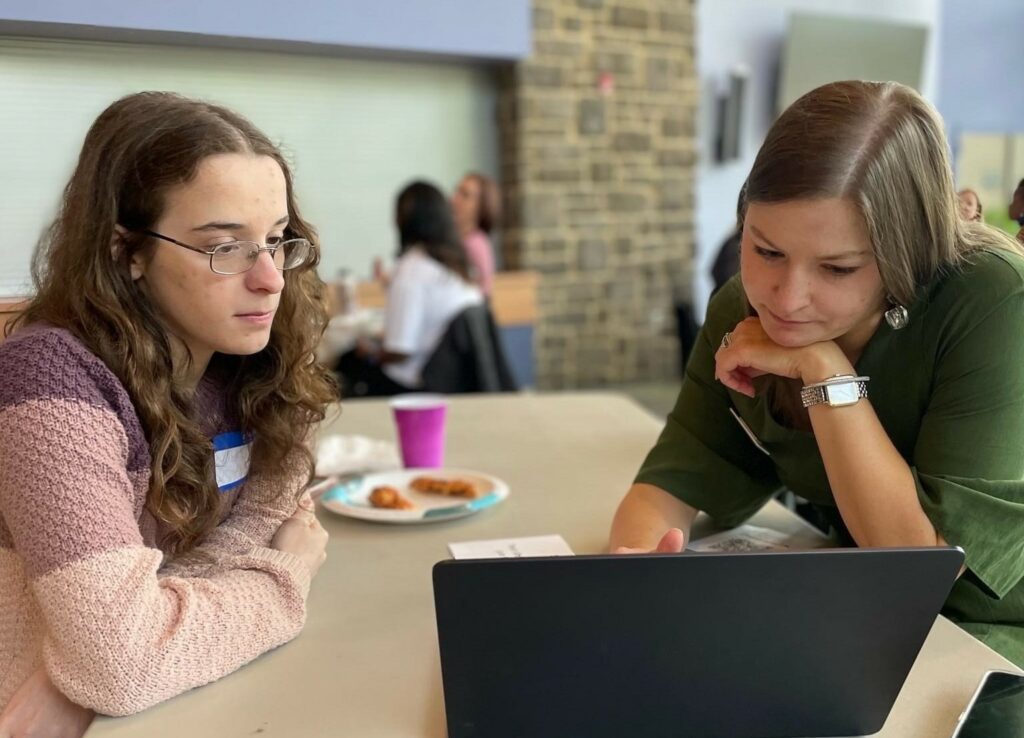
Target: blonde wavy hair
137, 148
882, 147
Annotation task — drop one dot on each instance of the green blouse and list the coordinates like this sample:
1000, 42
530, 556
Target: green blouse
948, 389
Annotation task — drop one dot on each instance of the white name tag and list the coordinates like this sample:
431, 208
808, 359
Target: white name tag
750, 433
231, 459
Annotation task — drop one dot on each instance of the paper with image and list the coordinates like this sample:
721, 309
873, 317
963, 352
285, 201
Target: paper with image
755, 538
511, 548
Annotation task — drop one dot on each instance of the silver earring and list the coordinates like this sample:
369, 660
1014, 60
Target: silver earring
896, 316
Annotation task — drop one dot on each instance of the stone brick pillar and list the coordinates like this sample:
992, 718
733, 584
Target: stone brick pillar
598, 151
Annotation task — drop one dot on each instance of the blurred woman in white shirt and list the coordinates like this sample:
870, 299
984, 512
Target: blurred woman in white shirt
429, 287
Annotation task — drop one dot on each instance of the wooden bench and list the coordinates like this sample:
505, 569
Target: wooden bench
9, 309
514, 304
513, 300
513, 297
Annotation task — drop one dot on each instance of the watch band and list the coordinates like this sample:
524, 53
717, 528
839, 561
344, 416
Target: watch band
837, 391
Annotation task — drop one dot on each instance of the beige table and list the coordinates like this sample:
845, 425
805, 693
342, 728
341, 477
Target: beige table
366, 665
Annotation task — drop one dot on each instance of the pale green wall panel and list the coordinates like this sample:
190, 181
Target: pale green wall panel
356, 130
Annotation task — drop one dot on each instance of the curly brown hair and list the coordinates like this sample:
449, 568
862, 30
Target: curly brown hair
138, 148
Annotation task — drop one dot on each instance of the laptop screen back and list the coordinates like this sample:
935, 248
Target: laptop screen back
712, 645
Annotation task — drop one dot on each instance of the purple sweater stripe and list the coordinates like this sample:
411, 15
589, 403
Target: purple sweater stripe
47, 363
89, 447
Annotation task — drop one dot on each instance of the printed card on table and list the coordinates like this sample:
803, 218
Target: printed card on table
511, 548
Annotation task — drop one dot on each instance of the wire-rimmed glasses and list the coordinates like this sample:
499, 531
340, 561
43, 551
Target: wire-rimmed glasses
236, 257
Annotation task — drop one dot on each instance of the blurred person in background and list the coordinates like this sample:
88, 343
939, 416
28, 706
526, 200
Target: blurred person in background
1016, 209
429, 286
476, 205
727, 261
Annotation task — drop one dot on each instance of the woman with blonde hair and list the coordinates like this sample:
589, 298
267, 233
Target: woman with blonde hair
158, 393
872, 346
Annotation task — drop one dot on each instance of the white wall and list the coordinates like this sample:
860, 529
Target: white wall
751, 33
982, 54
354, 130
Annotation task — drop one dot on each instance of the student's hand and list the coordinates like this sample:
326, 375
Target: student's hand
363, 348
380, 273
303, 536
368, 349
38, 710
751, 353
672, 542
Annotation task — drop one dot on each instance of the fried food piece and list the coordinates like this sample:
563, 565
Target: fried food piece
448, 487
389, 498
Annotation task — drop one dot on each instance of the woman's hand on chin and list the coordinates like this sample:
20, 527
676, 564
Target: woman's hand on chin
749, 353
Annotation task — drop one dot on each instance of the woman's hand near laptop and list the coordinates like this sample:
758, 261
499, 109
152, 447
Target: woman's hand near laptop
672, 542
650, 520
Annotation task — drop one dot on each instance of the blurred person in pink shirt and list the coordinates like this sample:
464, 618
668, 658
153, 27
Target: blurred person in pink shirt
477, 208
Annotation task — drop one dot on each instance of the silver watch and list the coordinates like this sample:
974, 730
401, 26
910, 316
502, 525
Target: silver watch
837, 391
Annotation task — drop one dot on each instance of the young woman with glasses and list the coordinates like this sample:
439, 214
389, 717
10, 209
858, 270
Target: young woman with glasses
158, 394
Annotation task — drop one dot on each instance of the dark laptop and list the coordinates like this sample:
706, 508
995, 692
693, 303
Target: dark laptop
740, 645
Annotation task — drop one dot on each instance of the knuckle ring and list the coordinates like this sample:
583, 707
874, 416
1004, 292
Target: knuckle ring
725, 340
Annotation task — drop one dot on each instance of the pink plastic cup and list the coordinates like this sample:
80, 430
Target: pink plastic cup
420, 422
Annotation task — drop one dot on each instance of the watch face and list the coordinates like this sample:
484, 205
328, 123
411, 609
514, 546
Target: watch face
842, 394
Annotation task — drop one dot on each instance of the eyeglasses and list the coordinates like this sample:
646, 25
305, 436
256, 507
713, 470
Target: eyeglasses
237, 257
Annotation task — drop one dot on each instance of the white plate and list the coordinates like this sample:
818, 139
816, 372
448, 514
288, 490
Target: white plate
350, 496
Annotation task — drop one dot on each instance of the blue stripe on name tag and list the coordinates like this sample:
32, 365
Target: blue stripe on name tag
231, 459
228, 440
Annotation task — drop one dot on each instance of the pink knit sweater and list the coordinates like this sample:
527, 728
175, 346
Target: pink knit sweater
481, 257
84, 587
